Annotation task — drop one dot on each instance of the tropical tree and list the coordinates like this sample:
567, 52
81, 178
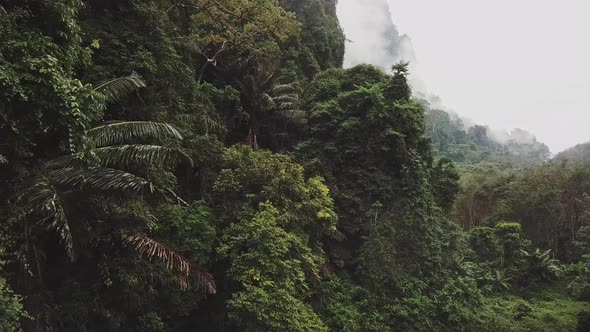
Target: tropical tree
74, 194
272, 221
266, 102
246, 28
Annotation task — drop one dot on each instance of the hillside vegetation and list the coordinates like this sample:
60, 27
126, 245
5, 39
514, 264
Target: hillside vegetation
210, 166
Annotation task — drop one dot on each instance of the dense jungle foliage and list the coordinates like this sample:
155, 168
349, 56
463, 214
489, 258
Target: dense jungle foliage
470, 145
181, 165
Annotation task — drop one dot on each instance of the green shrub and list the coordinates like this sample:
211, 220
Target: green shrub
579, 288
11, 309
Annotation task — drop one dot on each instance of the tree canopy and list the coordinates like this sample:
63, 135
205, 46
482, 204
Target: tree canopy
179, 165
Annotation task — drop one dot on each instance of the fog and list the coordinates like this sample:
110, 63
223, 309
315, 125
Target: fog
506, 64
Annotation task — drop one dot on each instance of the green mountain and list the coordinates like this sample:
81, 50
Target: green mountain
469, 145
184, 165
578, 153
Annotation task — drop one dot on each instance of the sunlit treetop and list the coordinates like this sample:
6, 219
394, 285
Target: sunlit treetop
252, 27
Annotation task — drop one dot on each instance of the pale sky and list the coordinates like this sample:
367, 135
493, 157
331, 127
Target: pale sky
504, 63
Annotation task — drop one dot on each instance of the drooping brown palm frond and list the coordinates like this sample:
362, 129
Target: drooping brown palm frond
190, 273
128, 132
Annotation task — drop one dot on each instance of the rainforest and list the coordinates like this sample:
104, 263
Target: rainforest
210, 165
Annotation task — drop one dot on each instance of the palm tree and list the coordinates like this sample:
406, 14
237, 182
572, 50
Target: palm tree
86, 180
265, 101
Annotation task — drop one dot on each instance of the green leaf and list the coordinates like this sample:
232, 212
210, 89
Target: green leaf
130, 131
113, 90
124, 155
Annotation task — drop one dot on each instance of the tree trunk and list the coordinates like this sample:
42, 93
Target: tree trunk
252, 138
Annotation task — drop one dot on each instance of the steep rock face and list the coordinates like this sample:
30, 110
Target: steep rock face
580, 152
367, 141
373, 37
322, 41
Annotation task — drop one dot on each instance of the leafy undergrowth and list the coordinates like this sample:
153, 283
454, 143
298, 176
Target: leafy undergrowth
545, 309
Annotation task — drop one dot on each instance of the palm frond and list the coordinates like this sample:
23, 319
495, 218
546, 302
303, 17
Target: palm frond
150, 248
293, 115
288, 106
146, 218
129, 131
267, 102
281, 89
99, 178
113, 90
43, 199
124, 155
70, 161
136, 211
265, 81
209, 123
287, 99
336, 235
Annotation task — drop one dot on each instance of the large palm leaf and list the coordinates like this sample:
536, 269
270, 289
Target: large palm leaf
112, 145
113, 90
283, 89
100, 178
42, 199
206, 121
293, 115
287, 104
44, 195
265, 101
122, 156
128, 132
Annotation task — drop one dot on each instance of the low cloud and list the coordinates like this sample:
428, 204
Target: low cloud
373, 38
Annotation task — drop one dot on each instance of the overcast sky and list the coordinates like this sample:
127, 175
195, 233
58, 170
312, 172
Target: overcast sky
504, 63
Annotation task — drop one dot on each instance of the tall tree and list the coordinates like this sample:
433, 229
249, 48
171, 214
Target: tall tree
266, 103
272, 219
